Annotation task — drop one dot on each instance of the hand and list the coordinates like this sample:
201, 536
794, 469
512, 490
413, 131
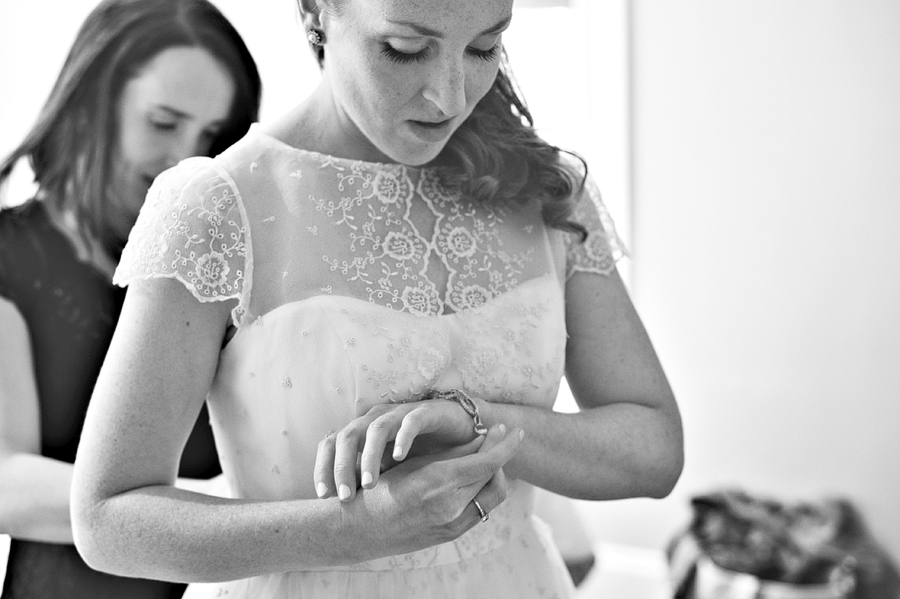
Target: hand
435, 424
427, 500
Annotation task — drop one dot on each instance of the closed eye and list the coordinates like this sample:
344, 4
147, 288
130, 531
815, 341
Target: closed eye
403, 57
486, 55
408, 57
164, 125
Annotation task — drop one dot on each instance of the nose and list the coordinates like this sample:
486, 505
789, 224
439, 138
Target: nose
447, 87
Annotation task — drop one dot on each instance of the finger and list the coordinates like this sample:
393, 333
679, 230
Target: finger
346, 452
420, 420
495, 435
491, 495
387, 461
378, 435
323, 472
456, 451
498, 449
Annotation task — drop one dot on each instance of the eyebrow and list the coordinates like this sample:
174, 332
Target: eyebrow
172, 111
422, 30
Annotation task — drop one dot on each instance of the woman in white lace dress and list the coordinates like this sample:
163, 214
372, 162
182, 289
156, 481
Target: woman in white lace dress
377, 296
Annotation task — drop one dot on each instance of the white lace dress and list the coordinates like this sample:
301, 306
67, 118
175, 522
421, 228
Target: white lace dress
360, 283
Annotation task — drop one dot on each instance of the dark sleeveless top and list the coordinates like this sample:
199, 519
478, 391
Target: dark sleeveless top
71, 311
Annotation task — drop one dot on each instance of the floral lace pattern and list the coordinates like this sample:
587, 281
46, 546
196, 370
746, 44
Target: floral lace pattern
406, 234
397, 236
602, 248
202, 243
363, 283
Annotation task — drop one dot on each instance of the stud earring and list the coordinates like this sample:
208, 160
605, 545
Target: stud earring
314, 37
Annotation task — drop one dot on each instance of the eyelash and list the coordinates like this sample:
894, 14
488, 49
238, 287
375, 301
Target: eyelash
163, 126
392, 53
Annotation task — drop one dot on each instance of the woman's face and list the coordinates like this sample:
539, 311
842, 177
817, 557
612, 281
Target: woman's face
172, 109
404, 74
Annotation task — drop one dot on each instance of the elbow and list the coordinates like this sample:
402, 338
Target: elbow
102, 543
665, 475
94, 531
89, 535
666, 467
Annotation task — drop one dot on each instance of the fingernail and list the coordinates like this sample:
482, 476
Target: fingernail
521, 434
321, 490
503, 429
367, 478
344, 492
398, 452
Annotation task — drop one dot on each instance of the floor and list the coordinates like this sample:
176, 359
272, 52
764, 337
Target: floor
625, 572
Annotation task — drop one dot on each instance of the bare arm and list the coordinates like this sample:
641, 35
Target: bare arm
130, 520
627, 439
625, 442
34, 490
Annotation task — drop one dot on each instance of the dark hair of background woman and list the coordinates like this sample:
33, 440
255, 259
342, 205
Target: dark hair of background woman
71, 145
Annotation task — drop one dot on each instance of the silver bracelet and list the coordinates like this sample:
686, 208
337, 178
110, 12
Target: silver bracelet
462, 398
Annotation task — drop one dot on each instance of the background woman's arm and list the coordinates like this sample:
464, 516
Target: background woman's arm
34, 490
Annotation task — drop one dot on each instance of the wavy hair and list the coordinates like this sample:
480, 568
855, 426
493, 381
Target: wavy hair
497, 156
70, 147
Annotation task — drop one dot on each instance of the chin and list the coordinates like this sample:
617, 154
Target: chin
404, 147
420, 156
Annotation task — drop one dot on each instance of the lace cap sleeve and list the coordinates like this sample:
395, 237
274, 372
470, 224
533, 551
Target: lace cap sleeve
602, 248
192, 227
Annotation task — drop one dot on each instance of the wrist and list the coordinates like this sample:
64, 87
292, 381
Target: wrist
486, 411
464, 401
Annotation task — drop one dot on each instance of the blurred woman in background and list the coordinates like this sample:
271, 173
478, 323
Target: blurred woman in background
146, 84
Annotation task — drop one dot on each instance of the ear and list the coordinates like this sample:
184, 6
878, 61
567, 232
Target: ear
311, 14
311, 22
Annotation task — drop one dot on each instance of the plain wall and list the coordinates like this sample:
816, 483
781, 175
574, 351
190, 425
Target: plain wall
766, 198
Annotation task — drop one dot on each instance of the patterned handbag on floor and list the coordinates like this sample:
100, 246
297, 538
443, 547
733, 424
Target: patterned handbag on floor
743, 547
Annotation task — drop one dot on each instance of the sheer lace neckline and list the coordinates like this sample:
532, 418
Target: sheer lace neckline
330, 159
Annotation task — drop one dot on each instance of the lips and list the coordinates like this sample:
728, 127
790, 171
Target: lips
433, 124
432, 131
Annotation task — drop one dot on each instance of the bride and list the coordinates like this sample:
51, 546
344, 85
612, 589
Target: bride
377, 295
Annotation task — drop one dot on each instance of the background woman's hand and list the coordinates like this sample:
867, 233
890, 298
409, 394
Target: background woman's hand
427, 500
385, 435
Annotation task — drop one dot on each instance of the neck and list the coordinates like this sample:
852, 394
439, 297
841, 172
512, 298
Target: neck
87, 248
319, 124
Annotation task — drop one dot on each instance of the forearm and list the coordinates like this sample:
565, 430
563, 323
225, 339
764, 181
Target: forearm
34, 498
167, 533
171, 534
613, 451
